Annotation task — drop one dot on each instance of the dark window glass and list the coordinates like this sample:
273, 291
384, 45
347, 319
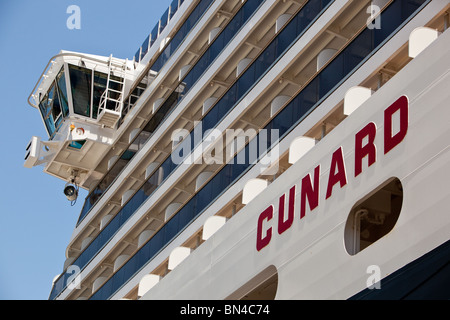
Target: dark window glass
366, 223
80, 82
145, 46
173, 8
100, 80
153, 35
164, 20
137, 55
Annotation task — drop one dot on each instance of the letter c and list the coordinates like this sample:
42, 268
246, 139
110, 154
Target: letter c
263, 241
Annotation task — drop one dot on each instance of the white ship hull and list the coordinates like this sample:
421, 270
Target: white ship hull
310, 258
348, 200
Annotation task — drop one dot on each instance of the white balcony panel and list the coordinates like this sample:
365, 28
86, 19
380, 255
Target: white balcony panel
281, 21
252, 188
144, 236
201, 179
420, 39
171, 209
177, 256
127, 195
105, 221
242, 65
208, 104
213, 33
120, 260
277, 104
299, 147
324, 56
355, 97
147, 282
212, 225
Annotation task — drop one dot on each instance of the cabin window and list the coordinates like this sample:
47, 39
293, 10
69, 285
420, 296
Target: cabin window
374, 216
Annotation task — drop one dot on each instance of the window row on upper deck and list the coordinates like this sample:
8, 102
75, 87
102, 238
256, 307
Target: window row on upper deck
157, 30
170, 103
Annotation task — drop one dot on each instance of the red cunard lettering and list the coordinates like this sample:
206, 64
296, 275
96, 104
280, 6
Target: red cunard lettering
283, 224
369, 150
337, 162
309, 192
263, 241
365, 150
401, 105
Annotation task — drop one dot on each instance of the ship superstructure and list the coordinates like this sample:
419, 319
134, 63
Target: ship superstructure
257, 150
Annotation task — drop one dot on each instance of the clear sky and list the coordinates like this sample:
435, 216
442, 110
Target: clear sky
36, 219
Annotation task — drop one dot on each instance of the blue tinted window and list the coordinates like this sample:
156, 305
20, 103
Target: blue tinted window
173, 8
137, 55
77, 144
154, 34
145, 46
164, 20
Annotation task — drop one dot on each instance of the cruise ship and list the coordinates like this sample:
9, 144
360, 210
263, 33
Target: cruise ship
257, 150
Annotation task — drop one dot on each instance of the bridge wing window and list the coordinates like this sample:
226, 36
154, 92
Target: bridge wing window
100, 80
88, 90
81, 85
50, 109
44, 108
54, 105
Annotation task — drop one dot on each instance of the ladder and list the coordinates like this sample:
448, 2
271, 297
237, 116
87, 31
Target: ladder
111, 101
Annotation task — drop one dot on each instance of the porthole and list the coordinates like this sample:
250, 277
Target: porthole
373, 217
263, 286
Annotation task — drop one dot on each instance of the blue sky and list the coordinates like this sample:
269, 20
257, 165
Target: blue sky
36, 219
